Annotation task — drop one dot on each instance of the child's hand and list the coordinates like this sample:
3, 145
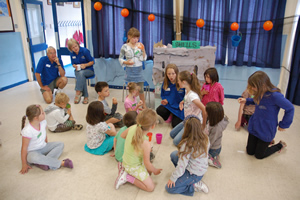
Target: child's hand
241, 100
140, 103
129, 62
140, 46
181, 105
281, 129
164, 102
238, 125
25, 169
204, 92
157, 171
170, 184
69, 111
114, 100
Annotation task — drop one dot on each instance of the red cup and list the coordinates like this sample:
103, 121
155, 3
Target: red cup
149, 136
158, 138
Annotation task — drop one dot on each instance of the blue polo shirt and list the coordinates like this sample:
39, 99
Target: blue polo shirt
84, 56
49, 71
174, 97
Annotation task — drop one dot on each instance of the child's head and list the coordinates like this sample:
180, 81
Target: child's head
61, 100
194, 138
171, 75
187, 78
129, 118
146, 120
133, 34
215, 112
102, 88
133, 88
259, 83
211, 75
33, 112
95, 113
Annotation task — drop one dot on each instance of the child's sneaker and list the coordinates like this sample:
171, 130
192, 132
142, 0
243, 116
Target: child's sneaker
121, 179
68, 163
201, 187
169, 120
214, 162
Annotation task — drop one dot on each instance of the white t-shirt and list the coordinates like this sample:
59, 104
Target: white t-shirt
189, 107
37, 137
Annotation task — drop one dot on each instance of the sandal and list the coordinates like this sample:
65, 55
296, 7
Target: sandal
77, 127
77, 98
85, 100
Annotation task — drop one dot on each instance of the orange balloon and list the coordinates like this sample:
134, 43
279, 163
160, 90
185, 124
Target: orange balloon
234, 26
151, 17
268, 25
200, 23
98, 6
125, 12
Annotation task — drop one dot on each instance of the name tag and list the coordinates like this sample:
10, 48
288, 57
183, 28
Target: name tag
168, 89
73, 57
39, 135
133, 105
82, 57
47, 65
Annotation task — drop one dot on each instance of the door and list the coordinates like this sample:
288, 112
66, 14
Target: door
68, 19
36, 31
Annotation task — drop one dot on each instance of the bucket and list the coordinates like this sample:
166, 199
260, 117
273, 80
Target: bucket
236, 39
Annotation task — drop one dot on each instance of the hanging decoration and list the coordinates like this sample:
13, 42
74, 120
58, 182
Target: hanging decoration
268, 25
200, 23
234, 26
125, 12
98, 6
151, 17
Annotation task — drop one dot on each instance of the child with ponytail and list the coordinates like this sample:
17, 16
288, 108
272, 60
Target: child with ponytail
136, 158
36, 149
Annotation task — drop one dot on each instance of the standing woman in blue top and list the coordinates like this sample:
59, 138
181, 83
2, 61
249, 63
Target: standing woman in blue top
263, 124
134, 53
83, 62
171, 95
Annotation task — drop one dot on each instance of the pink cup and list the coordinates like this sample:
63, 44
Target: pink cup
158, 138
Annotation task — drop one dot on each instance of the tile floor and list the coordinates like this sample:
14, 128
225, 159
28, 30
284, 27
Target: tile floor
242, 177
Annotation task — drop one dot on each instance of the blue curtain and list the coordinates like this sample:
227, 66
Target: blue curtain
108, 25
258, 47
215, 14
293, 91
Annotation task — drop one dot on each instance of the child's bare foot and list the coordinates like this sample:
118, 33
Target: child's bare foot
283, 145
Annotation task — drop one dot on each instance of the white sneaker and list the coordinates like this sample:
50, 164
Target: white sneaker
201, 187
121, 179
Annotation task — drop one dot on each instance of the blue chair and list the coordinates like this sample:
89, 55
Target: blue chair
91, 77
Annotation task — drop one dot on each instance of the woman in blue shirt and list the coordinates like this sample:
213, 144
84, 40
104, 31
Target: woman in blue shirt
83, 62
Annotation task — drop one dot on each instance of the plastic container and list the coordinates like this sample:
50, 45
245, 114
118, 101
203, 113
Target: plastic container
149, 136
235, 39
158, 138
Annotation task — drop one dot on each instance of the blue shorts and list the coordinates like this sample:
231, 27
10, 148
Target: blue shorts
104, 148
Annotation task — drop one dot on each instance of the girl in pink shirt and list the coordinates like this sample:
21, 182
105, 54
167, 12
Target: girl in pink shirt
212, 90
130, 102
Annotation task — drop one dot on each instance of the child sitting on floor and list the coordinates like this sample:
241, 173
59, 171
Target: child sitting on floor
100, 135
59, 116
130, 102
111, 116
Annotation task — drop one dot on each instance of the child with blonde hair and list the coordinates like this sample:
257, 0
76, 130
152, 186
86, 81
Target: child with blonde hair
36, 149
100, 134
263, 123
59, 116
212, 90
130, 102
171, 95
191, 103
136, 158
190, 160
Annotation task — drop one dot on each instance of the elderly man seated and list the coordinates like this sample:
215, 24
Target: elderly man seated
50, 74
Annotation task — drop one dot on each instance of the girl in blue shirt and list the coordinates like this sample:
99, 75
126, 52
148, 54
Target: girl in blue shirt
171, 95
262, 125
83, 62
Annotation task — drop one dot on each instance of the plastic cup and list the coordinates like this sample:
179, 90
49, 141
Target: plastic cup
78, 67
68, 105
149, 136
158, 138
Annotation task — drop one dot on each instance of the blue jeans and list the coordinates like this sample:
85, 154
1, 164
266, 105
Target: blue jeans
184, 184
177, 132
47, 156
81, 80
214, 152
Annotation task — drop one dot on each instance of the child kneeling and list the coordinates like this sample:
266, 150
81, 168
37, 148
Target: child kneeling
191, 160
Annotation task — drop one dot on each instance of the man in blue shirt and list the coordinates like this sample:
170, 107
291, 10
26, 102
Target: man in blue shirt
50, 74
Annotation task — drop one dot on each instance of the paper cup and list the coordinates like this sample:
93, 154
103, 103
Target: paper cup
78, 67
149, 136
158, 138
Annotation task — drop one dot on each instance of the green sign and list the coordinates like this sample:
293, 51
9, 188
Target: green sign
186, 44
